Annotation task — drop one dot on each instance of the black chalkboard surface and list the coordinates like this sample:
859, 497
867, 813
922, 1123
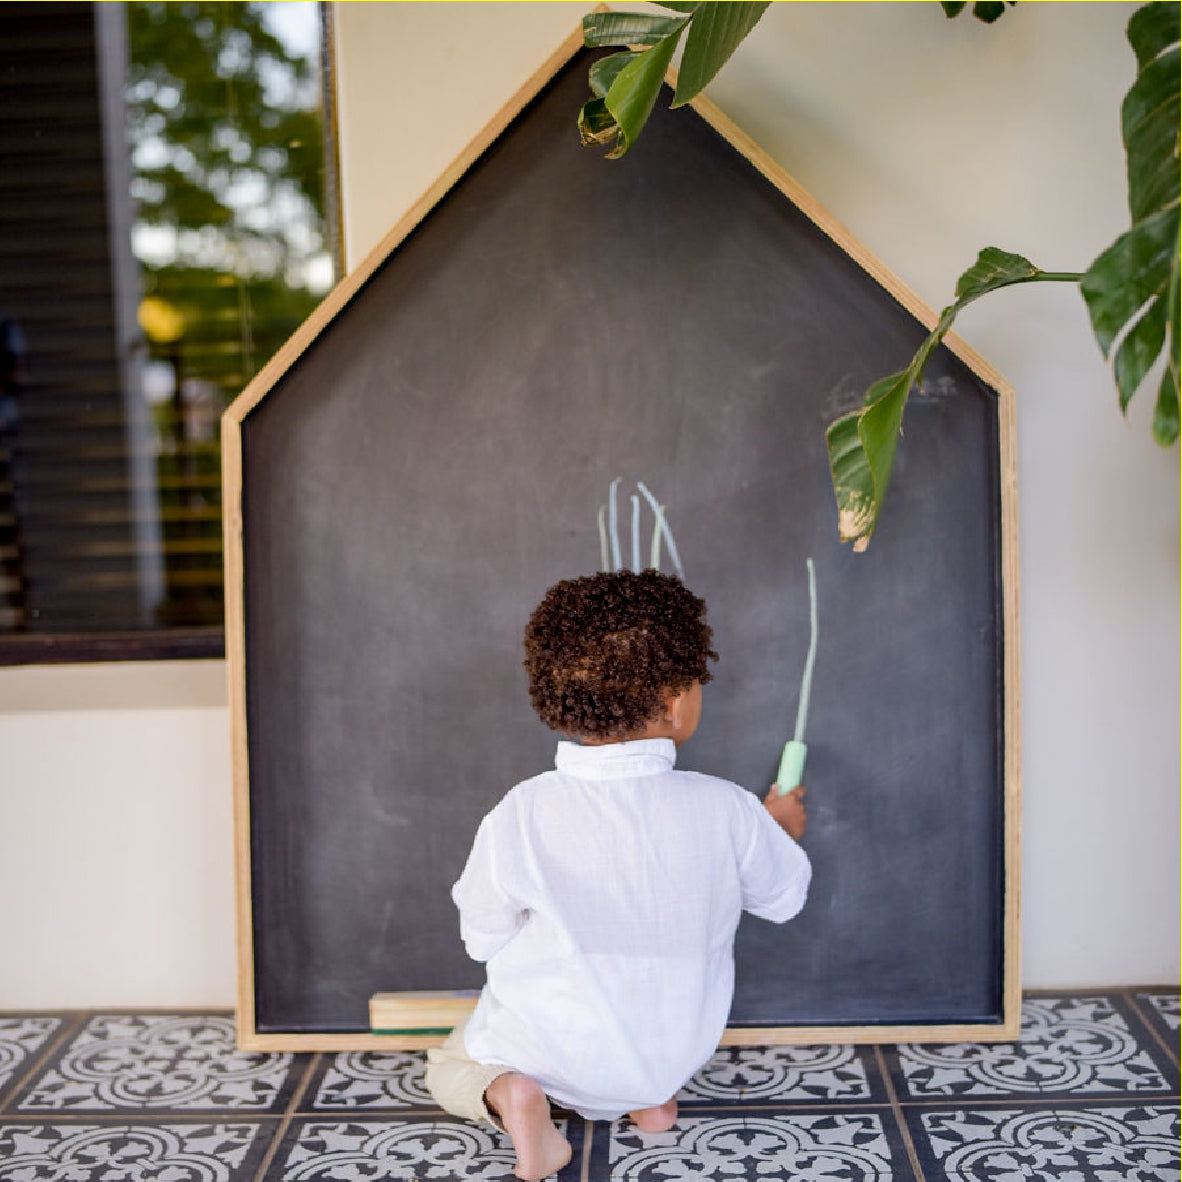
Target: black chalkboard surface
434, 458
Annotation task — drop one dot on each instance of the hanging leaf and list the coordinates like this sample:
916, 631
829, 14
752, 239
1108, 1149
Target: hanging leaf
1132, 272
988, 10
605, 71
1138, 351
634, 91
715, 33
1150, 111
984, 10
1152, 29
862, 444
627, 28
626, 85
1132, 287
596, 125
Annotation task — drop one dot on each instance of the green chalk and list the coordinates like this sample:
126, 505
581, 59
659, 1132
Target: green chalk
791, 766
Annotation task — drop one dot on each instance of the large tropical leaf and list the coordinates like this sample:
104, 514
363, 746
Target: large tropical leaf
715, 33
626, 85
627, 28
634, 89
862, 444
1131, 289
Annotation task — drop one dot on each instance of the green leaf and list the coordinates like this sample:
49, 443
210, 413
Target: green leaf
596, 125
1165, 412
862, 444
1152, 28
1150, 111
984, 10
604, 72
1138, 351
1149, 126
1133, 270
880, 423
1165, 416
683, 6
988, 10
1132, 287
994, 268
634, 91
628, 28
853, 481
715, 33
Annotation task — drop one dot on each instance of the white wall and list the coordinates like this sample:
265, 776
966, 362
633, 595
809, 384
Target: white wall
928, 139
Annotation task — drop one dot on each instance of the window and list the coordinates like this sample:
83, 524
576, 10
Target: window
168, 223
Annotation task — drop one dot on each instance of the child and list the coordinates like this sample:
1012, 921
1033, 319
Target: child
605, 895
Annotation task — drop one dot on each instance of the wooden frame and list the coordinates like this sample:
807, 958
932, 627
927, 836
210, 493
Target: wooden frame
249, 1037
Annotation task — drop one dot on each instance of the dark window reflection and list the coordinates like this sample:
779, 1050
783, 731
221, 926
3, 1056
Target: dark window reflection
164, 231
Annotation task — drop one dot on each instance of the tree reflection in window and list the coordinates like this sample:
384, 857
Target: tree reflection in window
228, 157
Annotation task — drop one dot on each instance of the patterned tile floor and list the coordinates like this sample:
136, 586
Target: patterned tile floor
1089, 1092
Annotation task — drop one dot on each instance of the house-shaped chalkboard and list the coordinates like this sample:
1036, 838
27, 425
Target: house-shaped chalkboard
429, 453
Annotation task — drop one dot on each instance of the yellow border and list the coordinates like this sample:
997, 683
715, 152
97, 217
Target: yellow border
248, 1037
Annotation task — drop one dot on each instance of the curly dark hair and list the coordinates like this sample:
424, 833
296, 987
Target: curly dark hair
602, 649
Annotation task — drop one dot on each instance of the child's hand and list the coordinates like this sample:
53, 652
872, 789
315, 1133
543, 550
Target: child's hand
788, 811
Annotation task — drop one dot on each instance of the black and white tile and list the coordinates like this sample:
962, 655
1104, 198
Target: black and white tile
222, 1152
21, 1038
414, 1150
1082, 1046
1164, 1013
168, 1062
858, 1146
1088, 1093
784, 1075
367, 1080
1064, 1143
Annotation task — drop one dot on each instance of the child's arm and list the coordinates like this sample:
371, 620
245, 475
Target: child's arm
788, 811
489, 917
775, 871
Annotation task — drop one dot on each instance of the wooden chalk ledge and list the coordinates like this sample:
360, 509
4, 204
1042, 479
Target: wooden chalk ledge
427, 1011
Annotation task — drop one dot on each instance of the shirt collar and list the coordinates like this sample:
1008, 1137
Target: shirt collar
612, 761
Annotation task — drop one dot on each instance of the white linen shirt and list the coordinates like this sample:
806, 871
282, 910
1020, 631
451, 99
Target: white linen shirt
604, 896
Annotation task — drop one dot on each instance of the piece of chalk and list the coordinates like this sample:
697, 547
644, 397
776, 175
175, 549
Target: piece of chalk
791, 766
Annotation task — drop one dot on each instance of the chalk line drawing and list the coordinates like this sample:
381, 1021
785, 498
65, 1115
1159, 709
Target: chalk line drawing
608, 519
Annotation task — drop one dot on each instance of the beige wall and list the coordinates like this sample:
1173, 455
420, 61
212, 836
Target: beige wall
928, 139
116, 870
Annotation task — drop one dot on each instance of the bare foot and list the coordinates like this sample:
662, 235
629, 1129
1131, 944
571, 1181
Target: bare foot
525, 1112
656, 1120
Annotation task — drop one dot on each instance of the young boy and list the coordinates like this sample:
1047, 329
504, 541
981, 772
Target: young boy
605, 894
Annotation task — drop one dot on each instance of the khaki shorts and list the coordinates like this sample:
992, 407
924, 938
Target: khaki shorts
457, 1083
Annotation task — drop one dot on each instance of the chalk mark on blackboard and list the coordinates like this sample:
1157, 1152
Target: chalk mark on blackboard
608, 519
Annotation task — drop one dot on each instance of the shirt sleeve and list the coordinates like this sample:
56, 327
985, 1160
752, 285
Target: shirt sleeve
774, 872
489, 918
